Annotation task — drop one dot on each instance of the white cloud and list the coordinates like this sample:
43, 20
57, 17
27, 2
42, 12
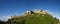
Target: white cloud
5, 18
54, 14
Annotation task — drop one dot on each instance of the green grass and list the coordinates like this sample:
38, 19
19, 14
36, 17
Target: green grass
35, 19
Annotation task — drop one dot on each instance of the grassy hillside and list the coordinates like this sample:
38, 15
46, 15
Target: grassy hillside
33, 19
40, 19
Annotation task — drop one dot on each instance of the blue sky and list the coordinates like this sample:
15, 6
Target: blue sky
12, 7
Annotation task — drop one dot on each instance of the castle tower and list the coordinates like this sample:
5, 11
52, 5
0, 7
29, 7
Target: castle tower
28, 12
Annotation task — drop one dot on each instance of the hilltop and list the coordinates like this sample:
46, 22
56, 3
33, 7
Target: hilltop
33, 17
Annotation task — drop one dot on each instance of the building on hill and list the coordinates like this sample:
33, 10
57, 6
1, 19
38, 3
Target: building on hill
59, 22
40, 11
28, 12
35, 11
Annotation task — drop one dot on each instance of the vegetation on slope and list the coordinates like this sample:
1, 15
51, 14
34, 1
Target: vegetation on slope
34, 19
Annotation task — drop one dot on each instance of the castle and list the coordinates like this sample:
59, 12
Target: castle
40, 11
35, 11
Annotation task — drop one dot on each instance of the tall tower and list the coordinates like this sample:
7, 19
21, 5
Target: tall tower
28, 12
